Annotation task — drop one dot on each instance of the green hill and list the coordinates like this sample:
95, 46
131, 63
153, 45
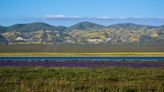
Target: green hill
86, 26
83, 33
2, 29
3, 40
34, 27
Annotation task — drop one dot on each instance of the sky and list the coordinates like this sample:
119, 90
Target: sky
67, 12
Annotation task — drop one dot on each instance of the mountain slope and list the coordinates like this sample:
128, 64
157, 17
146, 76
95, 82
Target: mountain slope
86, 26
3, 40
129, 26
84, 32
2, 29
34, 27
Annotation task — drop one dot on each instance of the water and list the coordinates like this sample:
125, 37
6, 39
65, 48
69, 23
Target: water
158, 58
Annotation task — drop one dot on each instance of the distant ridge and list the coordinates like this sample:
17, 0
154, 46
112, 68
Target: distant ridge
130, 26
83, 33
3, 40
86, 26
2, 29
79, 26
34, 27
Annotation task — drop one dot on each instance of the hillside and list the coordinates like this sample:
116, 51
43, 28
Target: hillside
3, 40
86, 26
33, 27
2, 29
82, 33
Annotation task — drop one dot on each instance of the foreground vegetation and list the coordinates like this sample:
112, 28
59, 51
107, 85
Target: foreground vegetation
66, 79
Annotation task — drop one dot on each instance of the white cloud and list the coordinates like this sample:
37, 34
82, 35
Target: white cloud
61, 16
102, 17
55, 16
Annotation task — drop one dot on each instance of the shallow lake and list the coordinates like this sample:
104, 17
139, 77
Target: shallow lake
82, 58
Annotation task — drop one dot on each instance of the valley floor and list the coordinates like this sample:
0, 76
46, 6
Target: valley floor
87, 48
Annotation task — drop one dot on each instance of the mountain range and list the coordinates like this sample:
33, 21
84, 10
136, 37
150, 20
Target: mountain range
81, 33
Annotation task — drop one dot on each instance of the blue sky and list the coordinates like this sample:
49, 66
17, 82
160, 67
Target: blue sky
59, 11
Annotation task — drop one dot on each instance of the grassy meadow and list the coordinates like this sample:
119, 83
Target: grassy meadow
81, 50
81, 79
96, 79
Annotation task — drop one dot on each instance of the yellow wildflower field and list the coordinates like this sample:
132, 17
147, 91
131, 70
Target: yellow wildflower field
86, 54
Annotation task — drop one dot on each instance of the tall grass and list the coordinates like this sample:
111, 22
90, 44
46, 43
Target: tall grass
66, 79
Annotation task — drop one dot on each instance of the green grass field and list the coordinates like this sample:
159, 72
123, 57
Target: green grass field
81, 50
77, 48
65, 79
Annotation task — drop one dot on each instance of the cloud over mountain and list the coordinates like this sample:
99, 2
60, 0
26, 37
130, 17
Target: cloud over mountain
60, 16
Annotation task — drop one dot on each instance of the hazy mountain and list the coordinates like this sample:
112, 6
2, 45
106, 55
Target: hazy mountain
162, 27
2, 29
83, 32
34, 27
3, 40
86, 26
79, 26
129, 26
61, 28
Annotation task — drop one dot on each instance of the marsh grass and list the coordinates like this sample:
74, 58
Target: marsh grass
66, 79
